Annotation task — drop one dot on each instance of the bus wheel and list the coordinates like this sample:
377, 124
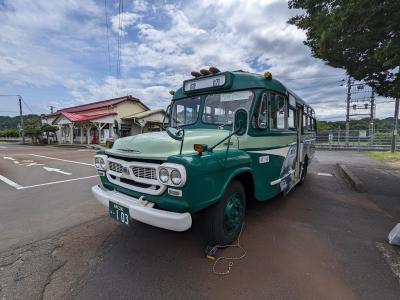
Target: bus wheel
224, 220
303, 172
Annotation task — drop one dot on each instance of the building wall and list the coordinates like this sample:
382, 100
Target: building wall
126, 109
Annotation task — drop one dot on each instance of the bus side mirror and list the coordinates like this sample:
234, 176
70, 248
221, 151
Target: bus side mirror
275, 102
240, 123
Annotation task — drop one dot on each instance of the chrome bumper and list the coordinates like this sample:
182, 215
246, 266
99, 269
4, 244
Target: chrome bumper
143, 211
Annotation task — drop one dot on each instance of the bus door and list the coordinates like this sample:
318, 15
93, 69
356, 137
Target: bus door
299, 127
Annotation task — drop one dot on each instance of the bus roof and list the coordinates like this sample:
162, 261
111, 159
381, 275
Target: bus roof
244, 80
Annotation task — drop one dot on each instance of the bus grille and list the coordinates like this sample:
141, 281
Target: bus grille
149, 173
116, 167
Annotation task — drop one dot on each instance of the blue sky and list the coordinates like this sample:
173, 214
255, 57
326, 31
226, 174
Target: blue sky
56, 52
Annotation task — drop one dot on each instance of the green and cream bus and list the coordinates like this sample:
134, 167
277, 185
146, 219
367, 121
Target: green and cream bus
231, 136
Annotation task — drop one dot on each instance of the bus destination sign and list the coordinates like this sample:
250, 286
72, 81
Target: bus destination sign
204, 83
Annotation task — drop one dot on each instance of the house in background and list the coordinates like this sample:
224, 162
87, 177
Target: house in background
96, 122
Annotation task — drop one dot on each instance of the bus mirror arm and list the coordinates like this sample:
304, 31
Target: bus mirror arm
224, 139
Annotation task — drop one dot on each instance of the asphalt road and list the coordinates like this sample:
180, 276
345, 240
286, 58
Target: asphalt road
322, 241
32, 205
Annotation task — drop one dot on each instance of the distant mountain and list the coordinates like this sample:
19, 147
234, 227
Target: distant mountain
384, 124
7, 122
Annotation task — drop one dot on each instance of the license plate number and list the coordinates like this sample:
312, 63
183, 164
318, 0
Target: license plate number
119, 213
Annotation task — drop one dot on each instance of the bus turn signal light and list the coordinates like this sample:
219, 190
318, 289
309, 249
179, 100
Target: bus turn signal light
200, 148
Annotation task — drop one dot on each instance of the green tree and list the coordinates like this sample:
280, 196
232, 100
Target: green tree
47, 129
360, 36
32, 128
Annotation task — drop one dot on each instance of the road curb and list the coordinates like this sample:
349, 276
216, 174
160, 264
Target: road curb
354, 181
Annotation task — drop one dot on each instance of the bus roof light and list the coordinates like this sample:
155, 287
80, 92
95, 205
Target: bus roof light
268, 75
195, 74
214, 70
205, 72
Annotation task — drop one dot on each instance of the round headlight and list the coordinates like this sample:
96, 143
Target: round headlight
102, 163
176, 177
97, 163
163, 175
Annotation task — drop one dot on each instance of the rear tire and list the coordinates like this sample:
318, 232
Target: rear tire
224, 220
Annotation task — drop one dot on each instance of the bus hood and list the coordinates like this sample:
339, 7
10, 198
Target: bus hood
159, 145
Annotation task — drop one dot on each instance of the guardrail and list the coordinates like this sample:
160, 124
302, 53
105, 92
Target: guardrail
380, 140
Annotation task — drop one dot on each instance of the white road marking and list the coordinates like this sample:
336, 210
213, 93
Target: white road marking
10, 182
55, 182
71, 161
33, 164
324, 174
16, 162
3, 147
20, 187
56, 170
9, 158
86, 150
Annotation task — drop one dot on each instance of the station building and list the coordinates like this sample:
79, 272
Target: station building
94, 123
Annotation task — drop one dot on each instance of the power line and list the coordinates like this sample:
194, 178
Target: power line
108, 36
27, 106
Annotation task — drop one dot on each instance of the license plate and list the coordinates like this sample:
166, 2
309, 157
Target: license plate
119, 213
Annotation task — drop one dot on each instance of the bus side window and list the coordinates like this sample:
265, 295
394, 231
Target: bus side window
260, 117
278, 115
304, 121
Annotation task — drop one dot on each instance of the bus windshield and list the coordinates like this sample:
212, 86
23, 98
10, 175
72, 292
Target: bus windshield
220, 108
185, 111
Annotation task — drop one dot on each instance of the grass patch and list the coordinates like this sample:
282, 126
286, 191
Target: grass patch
386, 156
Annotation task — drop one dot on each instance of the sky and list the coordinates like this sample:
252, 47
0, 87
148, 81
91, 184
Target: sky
64, 53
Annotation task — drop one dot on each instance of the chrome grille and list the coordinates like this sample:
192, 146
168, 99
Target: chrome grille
116, 167
141, 172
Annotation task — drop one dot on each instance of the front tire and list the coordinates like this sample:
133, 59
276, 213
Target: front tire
224, 220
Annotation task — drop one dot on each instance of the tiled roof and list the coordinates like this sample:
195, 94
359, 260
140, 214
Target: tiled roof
145, 113
98, 104
74, 117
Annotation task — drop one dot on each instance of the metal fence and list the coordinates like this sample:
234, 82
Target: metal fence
379, 140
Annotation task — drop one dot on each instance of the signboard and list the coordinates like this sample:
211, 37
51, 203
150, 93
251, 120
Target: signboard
362, 133
204, 83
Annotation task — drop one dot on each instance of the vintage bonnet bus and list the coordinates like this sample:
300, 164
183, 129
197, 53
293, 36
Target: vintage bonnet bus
231, 136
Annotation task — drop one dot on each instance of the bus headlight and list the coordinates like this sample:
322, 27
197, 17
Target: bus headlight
172, 174
176, 177
103, 163
100, 162
163, 175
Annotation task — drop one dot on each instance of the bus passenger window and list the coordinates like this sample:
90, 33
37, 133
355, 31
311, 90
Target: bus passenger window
277, 109
304, 122
291, 120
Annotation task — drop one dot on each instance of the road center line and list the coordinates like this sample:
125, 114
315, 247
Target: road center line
10, 182
54, 182
71, 161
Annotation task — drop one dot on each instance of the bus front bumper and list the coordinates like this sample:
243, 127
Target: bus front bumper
141, 210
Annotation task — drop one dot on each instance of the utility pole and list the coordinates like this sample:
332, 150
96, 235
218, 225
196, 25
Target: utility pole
396, 116
371, 119
51, 108
22, 119
348, 110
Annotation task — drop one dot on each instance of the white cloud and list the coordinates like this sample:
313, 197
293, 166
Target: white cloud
123, 21
140, 5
